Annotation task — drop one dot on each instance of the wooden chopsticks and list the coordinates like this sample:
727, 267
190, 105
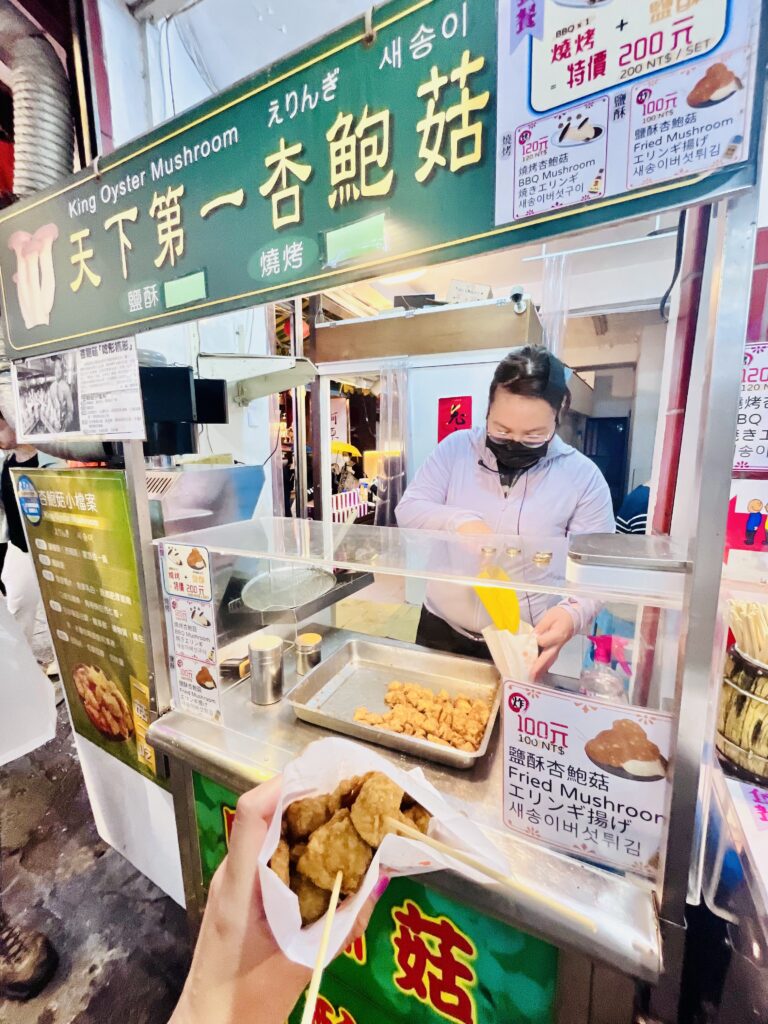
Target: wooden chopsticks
317, 974
506, 880
497, 876
749, 624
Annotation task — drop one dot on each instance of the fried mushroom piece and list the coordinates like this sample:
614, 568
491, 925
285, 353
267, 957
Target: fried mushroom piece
379, 799
347, 792
305, 816
336, 846
296, 851
418, 817
280, 862
313, 901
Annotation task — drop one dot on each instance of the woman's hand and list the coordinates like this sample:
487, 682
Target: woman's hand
238, 972
473, 527
553, 631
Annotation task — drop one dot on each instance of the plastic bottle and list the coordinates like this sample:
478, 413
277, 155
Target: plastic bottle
601, 680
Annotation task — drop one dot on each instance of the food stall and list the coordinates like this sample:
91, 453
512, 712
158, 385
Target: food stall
599, 808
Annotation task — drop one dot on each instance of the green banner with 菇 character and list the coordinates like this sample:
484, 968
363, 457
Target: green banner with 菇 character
424, 958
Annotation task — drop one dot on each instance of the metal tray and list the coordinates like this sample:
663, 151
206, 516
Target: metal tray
359, 673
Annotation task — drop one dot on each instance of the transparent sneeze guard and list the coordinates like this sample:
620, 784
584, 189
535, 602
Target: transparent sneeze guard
596, 895
423, 554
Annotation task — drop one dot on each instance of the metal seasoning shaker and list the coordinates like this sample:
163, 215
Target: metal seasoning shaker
265, 654
308, 652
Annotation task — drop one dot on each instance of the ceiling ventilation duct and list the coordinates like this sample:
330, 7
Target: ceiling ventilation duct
42, 119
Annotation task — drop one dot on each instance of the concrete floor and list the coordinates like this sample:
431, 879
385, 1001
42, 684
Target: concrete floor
122, 942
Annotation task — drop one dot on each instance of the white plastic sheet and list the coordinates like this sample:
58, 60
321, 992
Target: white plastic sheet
27, 700
319, 770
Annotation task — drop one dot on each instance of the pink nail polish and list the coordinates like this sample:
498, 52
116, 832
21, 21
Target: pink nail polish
381, 887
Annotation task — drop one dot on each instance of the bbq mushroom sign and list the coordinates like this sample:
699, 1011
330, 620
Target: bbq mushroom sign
587, 776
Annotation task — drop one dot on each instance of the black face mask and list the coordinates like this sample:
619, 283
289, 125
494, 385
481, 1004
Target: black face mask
514, 457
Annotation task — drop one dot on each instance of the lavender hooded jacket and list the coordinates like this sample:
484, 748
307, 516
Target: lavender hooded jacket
562, 495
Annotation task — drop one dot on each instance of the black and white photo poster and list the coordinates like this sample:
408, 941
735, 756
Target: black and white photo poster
90, 392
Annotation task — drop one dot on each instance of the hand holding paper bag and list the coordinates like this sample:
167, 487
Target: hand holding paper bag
318, 772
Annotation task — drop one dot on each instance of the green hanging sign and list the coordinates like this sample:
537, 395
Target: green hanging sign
458, 127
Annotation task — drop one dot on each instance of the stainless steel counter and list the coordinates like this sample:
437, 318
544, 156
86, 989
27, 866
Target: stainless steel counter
252, 744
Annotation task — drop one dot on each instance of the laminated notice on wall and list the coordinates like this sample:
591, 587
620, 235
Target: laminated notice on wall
89, 392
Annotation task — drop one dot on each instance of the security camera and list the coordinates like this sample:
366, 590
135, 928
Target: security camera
519, 298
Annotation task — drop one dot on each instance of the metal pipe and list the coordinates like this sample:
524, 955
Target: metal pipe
149, 584
722, 328
42, 118
300, 418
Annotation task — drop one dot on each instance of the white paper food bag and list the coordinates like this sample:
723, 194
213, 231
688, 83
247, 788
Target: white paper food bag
514, 654
321, 767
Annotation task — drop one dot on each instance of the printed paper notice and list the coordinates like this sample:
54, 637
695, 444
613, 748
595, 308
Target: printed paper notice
586, 776
752, 423
90, 392
561, 160
599, 99
675, 125
191, 628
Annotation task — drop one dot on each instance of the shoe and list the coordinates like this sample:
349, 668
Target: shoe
28, 961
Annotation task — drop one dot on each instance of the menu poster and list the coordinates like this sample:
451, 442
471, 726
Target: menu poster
586, 775
191, 626
87, 392
752, 423
78, 530
618, 95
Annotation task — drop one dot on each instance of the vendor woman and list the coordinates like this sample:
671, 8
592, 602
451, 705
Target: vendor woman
513, 475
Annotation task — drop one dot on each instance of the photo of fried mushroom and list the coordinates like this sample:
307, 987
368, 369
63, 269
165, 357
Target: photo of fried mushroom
195, 560
103, 702
205, 679
625, 750
339, 831
718, 84
417, 711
